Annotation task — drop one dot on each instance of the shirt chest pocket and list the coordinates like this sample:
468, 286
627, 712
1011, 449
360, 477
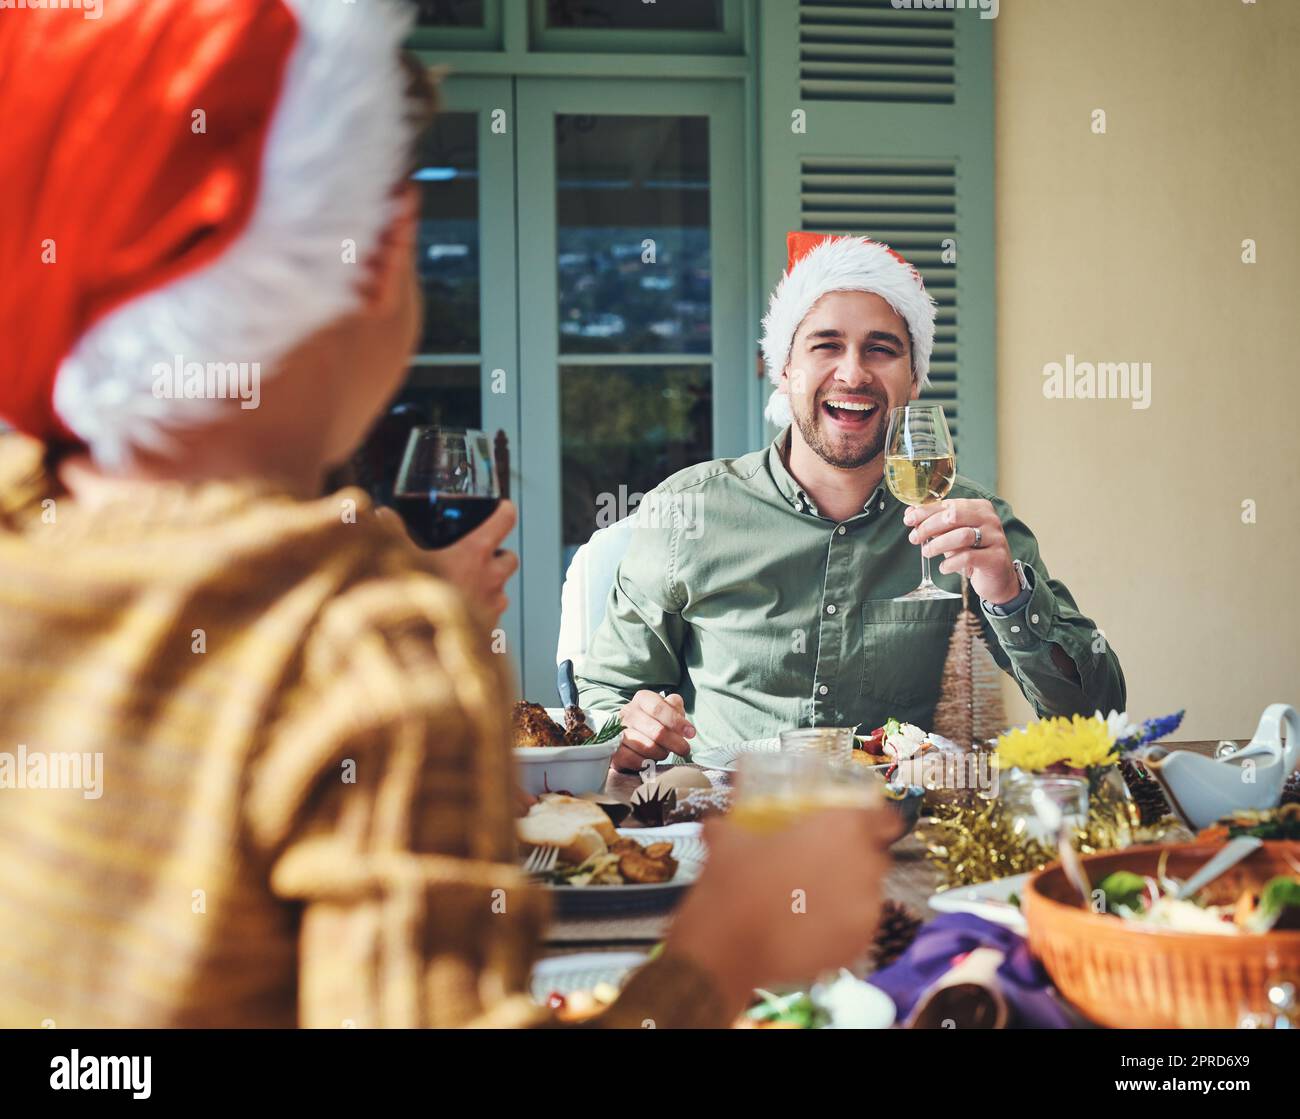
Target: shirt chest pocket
905, 645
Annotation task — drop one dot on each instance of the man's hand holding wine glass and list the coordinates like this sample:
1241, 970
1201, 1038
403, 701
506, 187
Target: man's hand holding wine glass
968, 533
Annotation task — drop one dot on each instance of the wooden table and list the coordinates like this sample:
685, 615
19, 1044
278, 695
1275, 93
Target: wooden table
912, 881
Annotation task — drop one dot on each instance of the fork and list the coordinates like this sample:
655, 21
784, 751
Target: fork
542, 860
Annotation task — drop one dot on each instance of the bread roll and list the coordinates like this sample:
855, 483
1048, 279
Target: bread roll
577, 827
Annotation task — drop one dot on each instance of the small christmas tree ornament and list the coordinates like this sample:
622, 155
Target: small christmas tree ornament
970, 707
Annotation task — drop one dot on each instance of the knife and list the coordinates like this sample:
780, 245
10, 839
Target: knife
567, 685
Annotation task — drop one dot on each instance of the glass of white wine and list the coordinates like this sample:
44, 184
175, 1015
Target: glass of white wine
920, 468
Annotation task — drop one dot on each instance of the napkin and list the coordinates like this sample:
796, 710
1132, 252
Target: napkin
963, 971
967, 995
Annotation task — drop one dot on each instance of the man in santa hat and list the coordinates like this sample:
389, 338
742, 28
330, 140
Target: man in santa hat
763, 592
254, 758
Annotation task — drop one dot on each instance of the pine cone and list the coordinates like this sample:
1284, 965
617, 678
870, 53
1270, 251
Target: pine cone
898, 928
1147, 793
1291, 790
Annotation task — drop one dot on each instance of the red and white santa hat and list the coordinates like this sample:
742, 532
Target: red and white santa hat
185, 179
819, 263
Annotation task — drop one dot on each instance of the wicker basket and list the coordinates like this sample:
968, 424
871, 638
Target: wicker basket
1123, 974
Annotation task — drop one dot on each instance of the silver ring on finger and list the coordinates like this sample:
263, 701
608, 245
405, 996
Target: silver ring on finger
979, 537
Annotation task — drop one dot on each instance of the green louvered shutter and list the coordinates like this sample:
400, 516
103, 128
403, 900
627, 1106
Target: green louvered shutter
874, 52
898, 145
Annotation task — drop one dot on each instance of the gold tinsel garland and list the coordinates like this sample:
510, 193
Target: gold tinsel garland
972, 839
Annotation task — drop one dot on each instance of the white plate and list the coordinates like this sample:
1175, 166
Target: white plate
581, 972
724, 757
987, 900
853, 1003
689, 851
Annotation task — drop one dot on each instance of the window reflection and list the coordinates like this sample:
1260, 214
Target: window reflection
629, 15
447, 256
450, 394
623, 431
449, 13
632, 234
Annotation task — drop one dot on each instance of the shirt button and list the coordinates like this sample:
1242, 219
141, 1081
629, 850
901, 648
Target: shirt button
882, 504
798, 506
1034, 618
841, 531
1015, 629
823, 690
831, 608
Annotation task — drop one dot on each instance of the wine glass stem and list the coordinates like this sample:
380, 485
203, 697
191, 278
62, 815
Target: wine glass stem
925, 569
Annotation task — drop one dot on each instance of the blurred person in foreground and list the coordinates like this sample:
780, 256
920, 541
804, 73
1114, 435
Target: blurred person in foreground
254, 764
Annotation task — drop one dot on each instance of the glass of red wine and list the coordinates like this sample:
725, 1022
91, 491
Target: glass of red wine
446, 486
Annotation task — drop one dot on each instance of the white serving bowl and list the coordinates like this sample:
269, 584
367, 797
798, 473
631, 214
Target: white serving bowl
572, 769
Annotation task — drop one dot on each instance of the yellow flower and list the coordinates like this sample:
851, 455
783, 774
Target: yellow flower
1078, 742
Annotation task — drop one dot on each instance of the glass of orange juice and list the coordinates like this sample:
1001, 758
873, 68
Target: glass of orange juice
775, 790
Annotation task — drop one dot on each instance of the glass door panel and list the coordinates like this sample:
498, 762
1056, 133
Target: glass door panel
625, 429
632, 232
633, 278
447, 253
466, 373
660, 27
449, 13
610, 15
449, 395
456, 25
625, 343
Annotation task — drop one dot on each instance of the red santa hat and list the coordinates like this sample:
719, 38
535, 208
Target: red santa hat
819, 263
185, 180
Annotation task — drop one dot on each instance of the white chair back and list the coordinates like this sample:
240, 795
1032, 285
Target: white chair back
587, 584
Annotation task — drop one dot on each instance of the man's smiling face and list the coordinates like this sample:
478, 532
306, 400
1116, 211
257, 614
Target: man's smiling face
851, 362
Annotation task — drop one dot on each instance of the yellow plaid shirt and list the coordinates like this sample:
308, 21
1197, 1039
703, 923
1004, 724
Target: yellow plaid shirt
293, 800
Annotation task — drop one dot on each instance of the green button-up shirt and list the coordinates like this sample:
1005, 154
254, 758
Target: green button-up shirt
763, 614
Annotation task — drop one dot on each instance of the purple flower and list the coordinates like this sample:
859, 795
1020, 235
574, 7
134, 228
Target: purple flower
1151, 730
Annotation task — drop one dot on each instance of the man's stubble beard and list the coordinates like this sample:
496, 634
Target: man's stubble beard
811, 431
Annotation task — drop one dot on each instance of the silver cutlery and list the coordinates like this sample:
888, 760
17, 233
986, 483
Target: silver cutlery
542, 860
1233, 852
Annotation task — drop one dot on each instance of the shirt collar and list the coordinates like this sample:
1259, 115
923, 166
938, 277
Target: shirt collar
794, 493
785, 482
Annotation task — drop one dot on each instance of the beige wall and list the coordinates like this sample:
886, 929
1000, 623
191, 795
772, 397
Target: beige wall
1127, 247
